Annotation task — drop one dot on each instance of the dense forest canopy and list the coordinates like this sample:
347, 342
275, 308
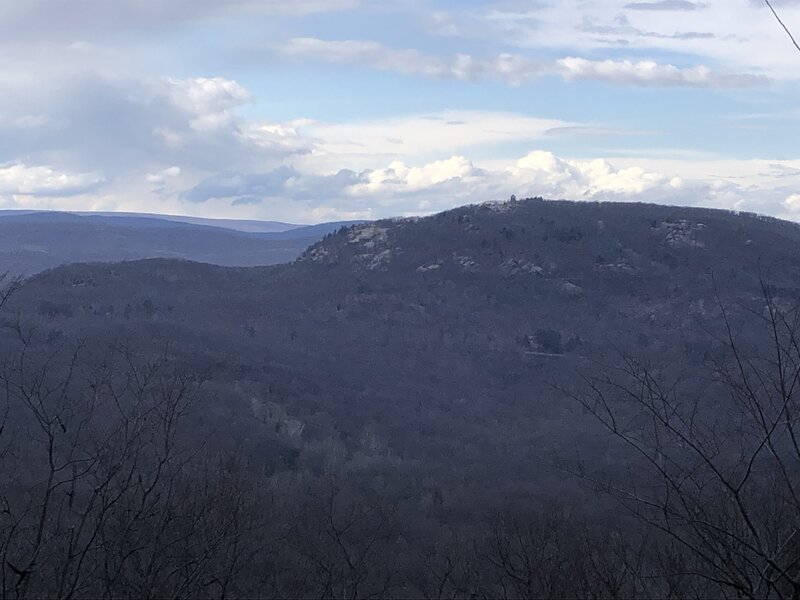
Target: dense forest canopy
519, 399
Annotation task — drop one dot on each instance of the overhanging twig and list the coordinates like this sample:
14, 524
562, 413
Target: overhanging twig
785, 28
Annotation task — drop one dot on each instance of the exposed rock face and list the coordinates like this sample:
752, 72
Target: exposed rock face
465, 263
431, 267
367, 249
369, 235
682, 233
515, 266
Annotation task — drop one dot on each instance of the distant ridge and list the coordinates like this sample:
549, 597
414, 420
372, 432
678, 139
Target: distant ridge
33, 241
281, 229
248, 226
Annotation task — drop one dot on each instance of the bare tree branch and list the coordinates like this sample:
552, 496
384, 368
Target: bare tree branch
785, 28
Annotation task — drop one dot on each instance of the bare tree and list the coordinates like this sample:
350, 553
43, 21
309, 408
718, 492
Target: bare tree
782, 24
343, 538
553, 554
8, 287
715, 469
102, 492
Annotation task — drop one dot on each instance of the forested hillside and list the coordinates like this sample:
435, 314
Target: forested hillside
498, 400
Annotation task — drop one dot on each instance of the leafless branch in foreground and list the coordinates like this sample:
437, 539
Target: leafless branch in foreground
785, 28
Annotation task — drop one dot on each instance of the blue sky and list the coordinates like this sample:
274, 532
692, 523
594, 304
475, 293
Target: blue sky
315, 110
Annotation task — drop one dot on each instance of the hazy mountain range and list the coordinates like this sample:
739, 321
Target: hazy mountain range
34, 241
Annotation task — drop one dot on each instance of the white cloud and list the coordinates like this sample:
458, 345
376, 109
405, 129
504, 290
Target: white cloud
185, 146
402, 187
18, 179
211, 101
91, 118
421, 137
407, 187
121, 125
792, 203
651, 73
399, 177
163, 175
511, 68
731, 36
739, 185
182, 146
683, 5
51, 19
585, 179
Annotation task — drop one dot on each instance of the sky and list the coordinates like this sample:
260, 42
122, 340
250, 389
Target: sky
320, 110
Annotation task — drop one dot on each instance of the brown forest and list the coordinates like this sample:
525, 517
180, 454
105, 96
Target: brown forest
523, 399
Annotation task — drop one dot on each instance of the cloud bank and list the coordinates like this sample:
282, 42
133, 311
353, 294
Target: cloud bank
512, 69
104, 107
